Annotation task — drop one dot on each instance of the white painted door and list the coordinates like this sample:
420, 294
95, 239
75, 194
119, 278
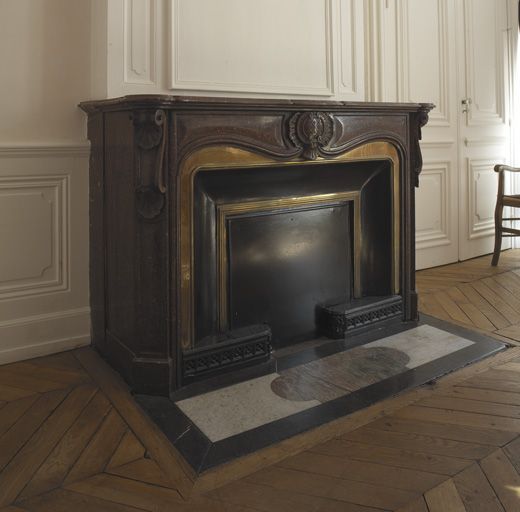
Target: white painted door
413, 58
430, 61
454, 52
484, 121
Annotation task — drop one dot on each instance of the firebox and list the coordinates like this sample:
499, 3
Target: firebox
273, 244
224, 229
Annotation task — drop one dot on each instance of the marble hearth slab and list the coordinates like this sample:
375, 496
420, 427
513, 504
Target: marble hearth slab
222, 424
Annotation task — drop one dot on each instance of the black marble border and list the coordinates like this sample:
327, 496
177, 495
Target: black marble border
203, 455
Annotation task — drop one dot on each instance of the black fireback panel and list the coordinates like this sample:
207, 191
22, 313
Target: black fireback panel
282, 264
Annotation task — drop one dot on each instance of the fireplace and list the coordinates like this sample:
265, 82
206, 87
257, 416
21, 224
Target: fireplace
224, 229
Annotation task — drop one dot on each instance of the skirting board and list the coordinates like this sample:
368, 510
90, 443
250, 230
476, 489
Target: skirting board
41, 335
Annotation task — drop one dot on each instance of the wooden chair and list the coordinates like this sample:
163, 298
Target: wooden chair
504, 200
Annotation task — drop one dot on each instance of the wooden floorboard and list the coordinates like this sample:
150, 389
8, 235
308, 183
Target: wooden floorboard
148, 433
54, 470
444, 497
475, 491
128, 450
504, 479
72, 438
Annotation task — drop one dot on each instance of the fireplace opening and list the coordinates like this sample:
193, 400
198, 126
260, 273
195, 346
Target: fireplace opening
292, 247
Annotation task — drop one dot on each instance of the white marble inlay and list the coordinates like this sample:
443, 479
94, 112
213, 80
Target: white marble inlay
241, 407
423, 344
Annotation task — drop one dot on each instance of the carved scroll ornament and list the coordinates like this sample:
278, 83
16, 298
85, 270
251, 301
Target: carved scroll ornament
151, 131
418, 161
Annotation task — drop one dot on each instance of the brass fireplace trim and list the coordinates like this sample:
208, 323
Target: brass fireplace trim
227, 210
229, 157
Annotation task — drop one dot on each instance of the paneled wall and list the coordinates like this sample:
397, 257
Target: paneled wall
307, 48
438, 51
446, 52
43, 177
55, 53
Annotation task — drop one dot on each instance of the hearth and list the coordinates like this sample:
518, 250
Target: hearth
221, 229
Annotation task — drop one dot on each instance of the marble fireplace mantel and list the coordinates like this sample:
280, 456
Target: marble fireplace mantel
146, 151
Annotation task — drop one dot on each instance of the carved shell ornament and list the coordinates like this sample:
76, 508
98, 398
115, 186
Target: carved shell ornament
311, 131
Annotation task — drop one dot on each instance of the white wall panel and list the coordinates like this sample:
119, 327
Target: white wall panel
139, 41
432, 219
34, 213
351, 49
251, 46
481, 204
422, 56
267, 48
484, 62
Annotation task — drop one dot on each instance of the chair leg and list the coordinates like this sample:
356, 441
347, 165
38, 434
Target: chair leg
498, 233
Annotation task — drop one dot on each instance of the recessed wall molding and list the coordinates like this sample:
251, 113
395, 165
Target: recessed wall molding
411, 81
45, 149
481, 205
487, 95
437, 144
310, 48
139, 41
350, 48
433, 222
374, 46
488, 141
267, 61
34, 210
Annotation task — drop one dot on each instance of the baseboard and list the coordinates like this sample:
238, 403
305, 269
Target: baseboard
40, 335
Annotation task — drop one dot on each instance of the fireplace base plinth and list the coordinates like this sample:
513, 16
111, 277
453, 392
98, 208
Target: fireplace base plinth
230, 351
337, 319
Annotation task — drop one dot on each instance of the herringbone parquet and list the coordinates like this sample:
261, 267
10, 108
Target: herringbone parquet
475, 294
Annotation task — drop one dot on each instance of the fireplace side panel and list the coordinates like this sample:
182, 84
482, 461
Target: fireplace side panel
377, 232
136, 261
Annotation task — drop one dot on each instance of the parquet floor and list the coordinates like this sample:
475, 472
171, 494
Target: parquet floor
72, 439
475, 294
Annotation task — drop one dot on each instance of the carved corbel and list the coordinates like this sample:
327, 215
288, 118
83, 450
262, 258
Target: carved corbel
311, 132
422, 119
151, 138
